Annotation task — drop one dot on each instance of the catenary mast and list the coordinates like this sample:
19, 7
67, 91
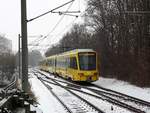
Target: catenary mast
24, 46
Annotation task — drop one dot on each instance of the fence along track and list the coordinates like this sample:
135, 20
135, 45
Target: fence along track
104, 97
97, 110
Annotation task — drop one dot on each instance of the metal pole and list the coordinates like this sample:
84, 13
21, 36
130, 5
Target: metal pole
19, 53
24, 46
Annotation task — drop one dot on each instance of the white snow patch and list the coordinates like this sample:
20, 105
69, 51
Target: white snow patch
48, 103
124, 87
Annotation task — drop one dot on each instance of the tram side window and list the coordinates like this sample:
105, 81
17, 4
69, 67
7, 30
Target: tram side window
67, 62
58, 63
46, 63
49, 62
53, 62
73, 63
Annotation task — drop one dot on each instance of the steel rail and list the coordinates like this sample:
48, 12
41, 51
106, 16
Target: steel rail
10, 85
96, 108
50, 89
137, 100
110, 92
57, 84
107, 98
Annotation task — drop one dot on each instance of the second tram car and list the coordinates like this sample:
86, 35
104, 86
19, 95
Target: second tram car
76, 65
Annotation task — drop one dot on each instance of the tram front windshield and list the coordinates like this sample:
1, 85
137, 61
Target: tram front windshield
87, 61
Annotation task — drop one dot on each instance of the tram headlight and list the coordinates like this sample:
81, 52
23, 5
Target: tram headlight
81, 74
95, 74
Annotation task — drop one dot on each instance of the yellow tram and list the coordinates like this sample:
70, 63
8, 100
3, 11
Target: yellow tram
76, 65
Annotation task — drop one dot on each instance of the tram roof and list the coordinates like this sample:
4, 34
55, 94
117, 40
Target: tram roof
75, 51
81, 50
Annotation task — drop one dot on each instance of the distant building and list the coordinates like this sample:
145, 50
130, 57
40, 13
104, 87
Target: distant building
5, 46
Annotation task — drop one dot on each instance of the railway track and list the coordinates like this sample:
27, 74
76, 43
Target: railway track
121, 95
72, 102
97, 88
10, 86
116, 98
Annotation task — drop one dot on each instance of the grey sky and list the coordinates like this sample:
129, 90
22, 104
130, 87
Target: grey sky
10, 19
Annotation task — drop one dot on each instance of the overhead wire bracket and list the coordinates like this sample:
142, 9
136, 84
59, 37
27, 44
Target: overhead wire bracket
49, 11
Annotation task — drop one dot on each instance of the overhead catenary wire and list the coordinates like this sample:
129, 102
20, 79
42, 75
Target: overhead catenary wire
70, 14
79, 4
41, 39
50, 11
46, 46
70, 23
62, 31
37, 37
62, 12
36, 40
55, 25
81, 15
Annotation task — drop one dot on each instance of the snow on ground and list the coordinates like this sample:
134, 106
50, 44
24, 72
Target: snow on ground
48, 103
103, 105
125, 87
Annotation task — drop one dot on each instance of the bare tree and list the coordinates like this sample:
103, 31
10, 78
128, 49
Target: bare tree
122, 30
